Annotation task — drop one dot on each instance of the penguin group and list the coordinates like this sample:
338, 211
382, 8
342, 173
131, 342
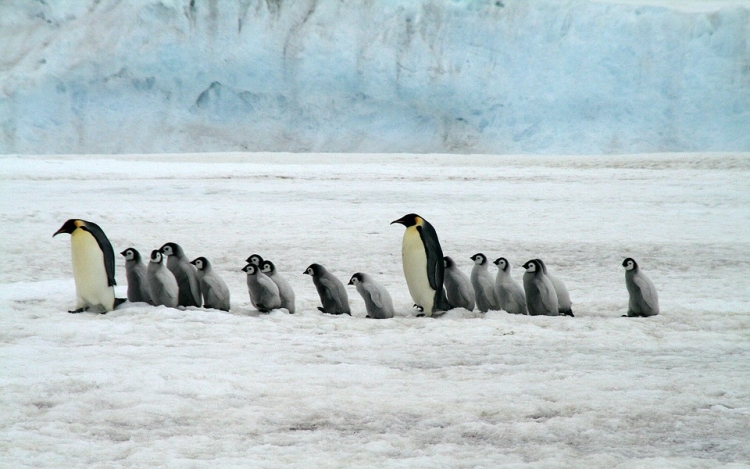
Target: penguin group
434, 281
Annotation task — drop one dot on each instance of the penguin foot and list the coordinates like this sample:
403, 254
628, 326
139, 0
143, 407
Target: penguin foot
420, 315
76, 311
368, 316
322, 310
419, 308
119, 301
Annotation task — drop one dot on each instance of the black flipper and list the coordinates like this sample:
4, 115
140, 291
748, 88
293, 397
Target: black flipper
435, 268
106, 247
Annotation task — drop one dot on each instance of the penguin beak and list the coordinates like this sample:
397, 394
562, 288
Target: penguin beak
399, 221
122, 253
350, 282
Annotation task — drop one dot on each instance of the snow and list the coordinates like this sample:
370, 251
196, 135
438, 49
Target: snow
462, 76
145, 386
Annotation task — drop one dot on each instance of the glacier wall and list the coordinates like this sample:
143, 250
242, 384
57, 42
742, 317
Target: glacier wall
499, 76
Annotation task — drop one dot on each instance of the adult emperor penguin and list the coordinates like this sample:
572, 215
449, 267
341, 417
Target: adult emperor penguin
458, 287
93, 266
422, 259
332, 293
214, 290
541, 298
509, 292
162, 286
185, 273
378, 302
644, 300
563, 297
285, 290
484, 284
135, 271
264, 294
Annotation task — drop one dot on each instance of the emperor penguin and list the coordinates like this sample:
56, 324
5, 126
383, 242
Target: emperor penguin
378, 302
509, 292
422, 259
541, 298
563, 297
332, 293
185, 273
484, 284
285, 290
215, 292
135, 271
458, 287
264, 294
162, 286
644, 300
93, 266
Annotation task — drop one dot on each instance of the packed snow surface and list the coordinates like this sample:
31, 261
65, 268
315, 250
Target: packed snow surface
481, 76
157, 387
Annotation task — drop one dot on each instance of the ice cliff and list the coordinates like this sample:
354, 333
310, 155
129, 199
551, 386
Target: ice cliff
505, 76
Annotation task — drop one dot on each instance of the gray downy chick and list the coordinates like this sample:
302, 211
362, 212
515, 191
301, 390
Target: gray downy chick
458, 287
264, 294
644, 301
378, 301
185, 273
484, 284
541, 299
509, 291
563, 297
285, 290
136, 271
214, 290
162, 286
332, 293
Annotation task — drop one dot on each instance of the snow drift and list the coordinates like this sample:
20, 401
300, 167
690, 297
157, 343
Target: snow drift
504, 76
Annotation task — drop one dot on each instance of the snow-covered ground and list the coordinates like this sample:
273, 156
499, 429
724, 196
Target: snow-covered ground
157, 387
422, 76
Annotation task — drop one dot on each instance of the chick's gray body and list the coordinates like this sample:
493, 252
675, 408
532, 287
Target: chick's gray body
484, 284
643, 298
378, 301
510, 295
541, 299
564, 305
264, 294
185, 274
136, 272
285, 290
215, 292
331, 291
458, 287
162, 286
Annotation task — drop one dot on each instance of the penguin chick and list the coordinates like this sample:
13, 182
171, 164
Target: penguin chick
563, 297
458, 287
509, 291
93, 266
378, 301
330, 289
644, 301
185, 273
162, 286
264, 294
422, 259
214, 290
541, 298
484, 284
135, 271
285, 290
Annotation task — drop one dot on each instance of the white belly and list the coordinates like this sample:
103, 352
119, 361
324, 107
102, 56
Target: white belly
90, 276
414, 259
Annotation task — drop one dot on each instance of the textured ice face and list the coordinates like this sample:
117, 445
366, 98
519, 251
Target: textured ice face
384, 76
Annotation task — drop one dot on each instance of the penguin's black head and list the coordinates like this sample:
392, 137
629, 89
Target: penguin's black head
156, 256
250, 269
70, 226
630, 264
408, 220
267, 267
357, 278
255, 259
171, 249
200, 263
448, 262
479, 258
131, 254
532, 266
501, 263
314, 270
